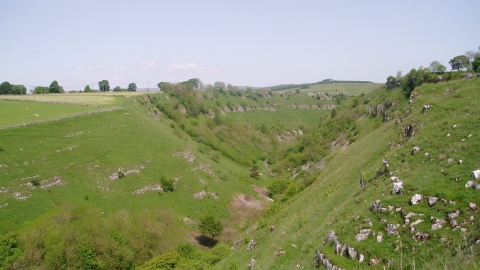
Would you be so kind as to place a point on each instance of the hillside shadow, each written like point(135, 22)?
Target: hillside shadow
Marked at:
point(206, 241)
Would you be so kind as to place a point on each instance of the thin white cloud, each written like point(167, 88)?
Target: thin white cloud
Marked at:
point(147, 65)
point(119, 68)
point(177, 66)
point(85, 68)
point(193, 67)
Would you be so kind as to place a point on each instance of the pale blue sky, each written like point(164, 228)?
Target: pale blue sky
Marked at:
point(248, 42)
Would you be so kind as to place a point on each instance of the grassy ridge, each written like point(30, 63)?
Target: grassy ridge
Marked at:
point(351, 89)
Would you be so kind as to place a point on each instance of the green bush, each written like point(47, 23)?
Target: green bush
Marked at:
point(167, 184)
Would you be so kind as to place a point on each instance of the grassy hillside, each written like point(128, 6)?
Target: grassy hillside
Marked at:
point(87, 191)
point(335, 201)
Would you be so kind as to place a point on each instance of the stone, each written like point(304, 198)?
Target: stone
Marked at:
point(352, 253)
point(361, 257)
point(421, 237)
point(416, 199)
point(432, 200)
point(362, 235)
point(469, 184)
point(379, 238)
point(330, 237)
point(476, 174)
point(397, 188)
point(472, 206)
point(416, 222)
point(454, 214)
point(437, 224)
point(373, 261)
point(453, 223)
point(409, 215)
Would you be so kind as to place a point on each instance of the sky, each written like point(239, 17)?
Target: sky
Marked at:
point(244, 43)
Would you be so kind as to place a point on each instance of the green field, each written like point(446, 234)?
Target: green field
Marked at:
point(351, 89)
point(104, 99)
point(25, 112)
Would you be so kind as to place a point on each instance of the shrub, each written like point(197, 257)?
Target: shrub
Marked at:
point(211, 227)
point(167, 184)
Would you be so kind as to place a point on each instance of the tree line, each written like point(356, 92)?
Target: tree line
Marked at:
point(435, 73)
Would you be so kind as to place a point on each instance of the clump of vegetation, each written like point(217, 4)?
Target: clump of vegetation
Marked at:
point(210, 227)
point(167, 184)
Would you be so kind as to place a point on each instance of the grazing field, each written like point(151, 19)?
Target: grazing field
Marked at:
point(104, 99)
point(25, 112)
point(351, 89)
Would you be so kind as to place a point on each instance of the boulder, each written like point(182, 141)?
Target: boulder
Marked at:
point(454, 214)
point(391, 229)
point(375, 205)
point(379, 238)
point(453, 223)
point(331, 236)
point(352, 253)
point(469, 184)
point(432, 200)
point(362, 235)
point(416, 222)
point(344, 249)
point(416, 199)
point(373, 261)
point(397, 188)
point(472, 206)
point(361, 257)
point(437, 224)
point(476, 174)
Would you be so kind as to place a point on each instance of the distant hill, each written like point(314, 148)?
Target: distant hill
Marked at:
point(307, 85)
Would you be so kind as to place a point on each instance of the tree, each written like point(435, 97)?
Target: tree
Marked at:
point(19, 89)
point(219, 86)
point(41, 90)
point(459, 62)
point(165, 87)
point(55, 88)
point(334, 113)
point(5, 88)
point(476, 63)
point(87, 89)
point(195, 83)
point(436, 67)
point(117, 89)
point(210, 227)
point(132, 87)
point(104, 86)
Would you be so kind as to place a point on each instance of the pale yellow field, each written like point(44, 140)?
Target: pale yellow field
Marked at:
point(106, 99)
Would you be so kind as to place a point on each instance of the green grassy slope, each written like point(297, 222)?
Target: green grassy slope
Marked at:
point(84, 152)
point(335, 198)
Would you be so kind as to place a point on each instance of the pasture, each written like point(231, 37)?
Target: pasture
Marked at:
point(351, 89)
point(90, 98)
point(25, 112)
